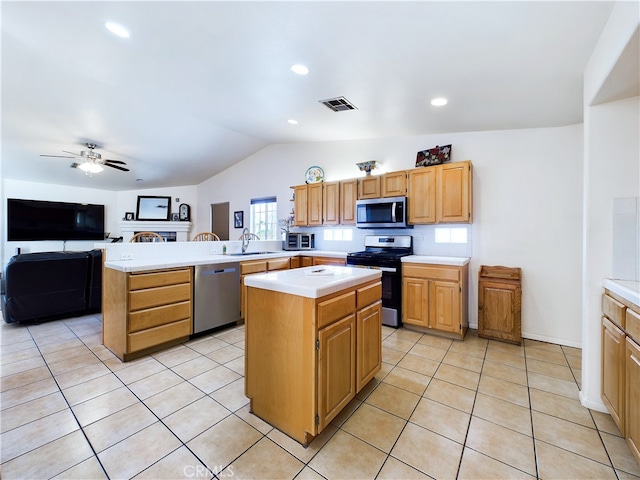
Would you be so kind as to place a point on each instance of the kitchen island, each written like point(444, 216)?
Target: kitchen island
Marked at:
point(313, 340)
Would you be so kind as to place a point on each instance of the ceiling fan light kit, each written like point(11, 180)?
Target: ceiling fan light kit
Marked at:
point(93, 162)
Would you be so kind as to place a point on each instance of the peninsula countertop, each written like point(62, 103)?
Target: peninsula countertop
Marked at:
point(312, 282)
point(627, 289)
point(175, 261)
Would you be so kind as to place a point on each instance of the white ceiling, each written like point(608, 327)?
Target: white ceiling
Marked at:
point(200, 86)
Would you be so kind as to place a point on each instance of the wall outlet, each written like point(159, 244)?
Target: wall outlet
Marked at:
point(212, 251)
point(126, 256)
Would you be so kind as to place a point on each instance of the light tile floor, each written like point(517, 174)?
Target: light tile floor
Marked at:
point(438, 409)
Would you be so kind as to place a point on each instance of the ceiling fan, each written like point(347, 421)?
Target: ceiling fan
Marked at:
point(92, 161)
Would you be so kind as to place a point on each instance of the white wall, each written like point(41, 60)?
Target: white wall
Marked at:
point(611, 170)
point(59, 193)
point(527, 206)
point(116, 204)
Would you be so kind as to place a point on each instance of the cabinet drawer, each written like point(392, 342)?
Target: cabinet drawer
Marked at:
point(278, 264)
point(253, 267)
point(369, 294)
point(632, 324)
point(138, 281)
point(613, 310)
point(154, 297)
point(154, 317)
point(336, 308)
point(431, 271)
point(158, 335)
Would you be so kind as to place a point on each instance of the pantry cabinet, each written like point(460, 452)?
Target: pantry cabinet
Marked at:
point(145, 311)
point(435, 298)
point(621, 366)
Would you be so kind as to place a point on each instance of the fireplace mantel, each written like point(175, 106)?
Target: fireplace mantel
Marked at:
point(129, 228)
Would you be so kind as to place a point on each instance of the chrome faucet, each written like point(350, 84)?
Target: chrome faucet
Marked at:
point(245, 239)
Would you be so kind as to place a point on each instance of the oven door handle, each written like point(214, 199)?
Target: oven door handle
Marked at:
point(373, 267)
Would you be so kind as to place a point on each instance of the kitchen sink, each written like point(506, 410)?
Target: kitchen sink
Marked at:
point(249, 253)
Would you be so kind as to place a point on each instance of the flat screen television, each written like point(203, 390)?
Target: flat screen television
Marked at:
point(32, 220)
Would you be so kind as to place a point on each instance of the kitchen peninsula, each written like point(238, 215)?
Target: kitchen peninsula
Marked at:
point(313, 341)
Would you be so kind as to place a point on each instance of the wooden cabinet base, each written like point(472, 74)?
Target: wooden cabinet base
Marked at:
point(438, 333)
point(306, 358)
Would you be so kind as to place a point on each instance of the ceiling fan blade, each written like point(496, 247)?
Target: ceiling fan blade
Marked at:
point(75, 154)
point(119, 162)
point(116, 167)
point(57, 156)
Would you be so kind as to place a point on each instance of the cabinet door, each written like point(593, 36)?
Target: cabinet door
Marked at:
point(331, 203)
point(444, 306)
point(314, 204)
point(453, 200)
point(394, 184)
point(422, 195)
point(369, 187)
point(329, 261)
point(306, 261)
point(348, 197)
point(499, 311)
point(336, 368)
point(415, 301)
point(300, 205)
point(613, 364)
point(369, 344)
point(632, 398)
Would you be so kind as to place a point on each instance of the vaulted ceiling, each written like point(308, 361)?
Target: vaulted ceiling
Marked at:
point(199, 86)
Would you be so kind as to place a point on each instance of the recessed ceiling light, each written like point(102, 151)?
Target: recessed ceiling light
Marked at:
point(292, 121)
point(439, 101)
point(117, 29)
point(299, 69)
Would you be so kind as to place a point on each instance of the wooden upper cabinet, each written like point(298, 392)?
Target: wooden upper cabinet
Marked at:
point(394, 184)
point(314, 204)
point(369, 187)
point(422, 195)
point(454, 196)
point(348, 197)
point(300, 205)
point(331, 203)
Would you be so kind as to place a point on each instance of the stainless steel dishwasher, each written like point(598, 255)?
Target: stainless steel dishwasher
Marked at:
point(216, 295)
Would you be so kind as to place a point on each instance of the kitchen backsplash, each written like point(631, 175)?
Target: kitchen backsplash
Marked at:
point(626, 239)
point(447, 240)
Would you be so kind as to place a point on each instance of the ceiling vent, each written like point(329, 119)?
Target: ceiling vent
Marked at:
point(338, 104)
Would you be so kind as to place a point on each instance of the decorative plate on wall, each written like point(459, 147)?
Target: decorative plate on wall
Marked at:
point(314, 175)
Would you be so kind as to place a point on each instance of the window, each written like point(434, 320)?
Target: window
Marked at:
point(264, 218)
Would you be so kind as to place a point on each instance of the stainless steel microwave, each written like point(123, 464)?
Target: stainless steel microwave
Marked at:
point(298, 241)
point(388, 212)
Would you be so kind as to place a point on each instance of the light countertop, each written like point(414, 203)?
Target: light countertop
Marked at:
point(627, 289)
point(437, 260)
point(170, 261)
point(312, 282)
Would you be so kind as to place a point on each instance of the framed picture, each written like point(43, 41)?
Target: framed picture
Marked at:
point(433, 156)
point(238, 219)
point(153, 208)
point(129, 216)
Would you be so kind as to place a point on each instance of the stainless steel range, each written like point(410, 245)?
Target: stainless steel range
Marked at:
point(384, 252)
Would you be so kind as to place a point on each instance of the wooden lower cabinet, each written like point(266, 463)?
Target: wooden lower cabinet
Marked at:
point(435, 298)
point(145, 311)
point(613, 371)
point(499, 303)
point(632, 398)
point(621, 366)
point(260, 266)
point(306, 358)
point(329, 261)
